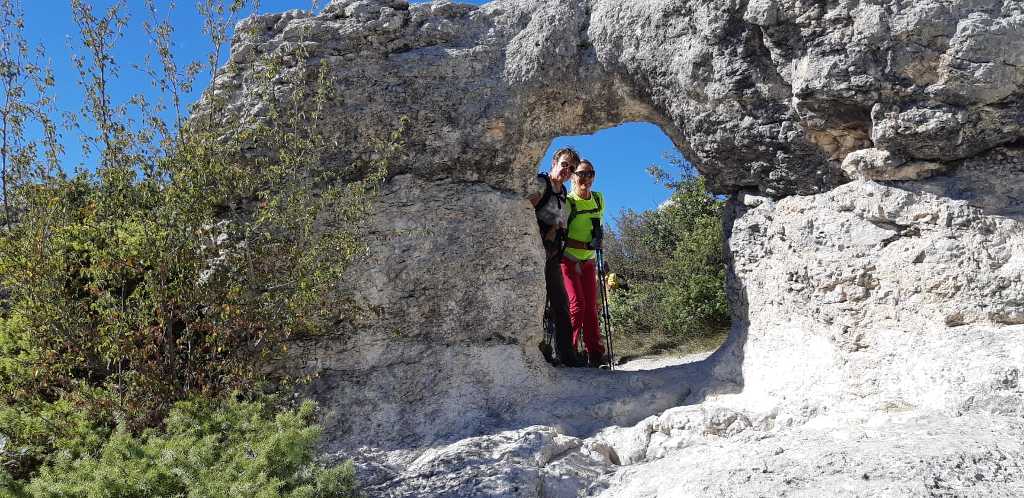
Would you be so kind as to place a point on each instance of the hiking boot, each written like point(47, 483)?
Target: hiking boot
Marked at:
point(596, 361)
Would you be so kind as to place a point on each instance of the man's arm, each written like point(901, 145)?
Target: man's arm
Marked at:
point(534, 199)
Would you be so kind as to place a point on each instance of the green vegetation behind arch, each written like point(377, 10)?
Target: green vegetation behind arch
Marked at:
point(672, 259)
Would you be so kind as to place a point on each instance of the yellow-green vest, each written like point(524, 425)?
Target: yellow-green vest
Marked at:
point(582, 211)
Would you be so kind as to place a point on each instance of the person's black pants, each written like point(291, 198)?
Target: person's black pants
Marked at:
point(564, 350)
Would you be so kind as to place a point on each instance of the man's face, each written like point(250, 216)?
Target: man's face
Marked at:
point(562, 167)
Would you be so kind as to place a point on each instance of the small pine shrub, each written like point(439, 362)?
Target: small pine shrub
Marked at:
point(209, 449)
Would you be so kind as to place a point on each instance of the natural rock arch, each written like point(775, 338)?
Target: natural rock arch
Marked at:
point(767, 98)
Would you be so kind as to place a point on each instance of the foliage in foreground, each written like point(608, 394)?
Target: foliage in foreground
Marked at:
point(179, 267)
point(672, 259)
point(211, 449)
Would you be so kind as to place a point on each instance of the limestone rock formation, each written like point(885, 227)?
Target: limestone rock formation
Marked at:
point(883, 344)
point(903, 299)
point(876, 343)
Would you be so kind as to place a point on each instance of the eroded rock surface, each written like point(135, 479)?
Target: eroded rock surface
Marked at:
point(894, 456)
point(852, 299)
point(531, 462)
point(873, 297)
point(878, 348)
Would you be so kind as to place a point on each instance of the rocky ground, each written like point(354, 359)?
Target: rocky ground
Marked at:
point(891, 454)
point(566, 454)
point(719, 447)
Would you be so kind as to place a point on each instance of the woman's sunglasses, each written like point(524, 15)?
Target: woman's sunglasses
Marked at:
point(584, 174)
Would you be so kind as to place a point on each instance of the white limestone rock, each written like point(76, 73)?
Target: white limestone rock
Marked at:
point(881, 165)
point(531, 462)
point(851, 300)
point(917, 456)
point(870, 297)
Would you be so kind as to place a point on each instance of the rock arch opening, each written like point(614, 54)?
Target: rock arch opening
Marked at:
point(455, 292)
point(668, 303)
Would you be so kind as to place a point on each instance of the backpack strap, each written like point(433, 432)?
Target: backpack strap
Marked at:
point(572, 212)
point(548, 191)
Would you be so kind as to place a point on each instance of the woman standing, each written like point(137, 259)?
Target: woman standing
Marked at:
point(578, 262)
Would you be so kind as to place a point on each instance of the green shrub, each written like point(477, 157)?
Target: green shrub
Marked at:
point(208, 449)
point(182, 265)
point(672, 259)
point(34, 429)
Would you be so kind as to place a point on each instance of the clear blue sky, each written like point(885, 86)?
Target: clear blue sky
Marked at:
point(620, 154)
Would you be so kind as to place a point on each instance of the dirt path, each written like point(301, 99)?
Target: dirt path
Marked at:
point(662, 361)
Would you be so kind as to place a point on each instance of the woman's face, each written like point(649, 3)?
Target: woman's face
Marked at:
point(561, 167)
point(583, 178)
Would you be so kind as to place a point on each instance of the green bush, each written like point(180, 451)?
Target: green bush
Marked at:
point(35, 429)
point(672, 259)
point(208, 449)
point(180, 266)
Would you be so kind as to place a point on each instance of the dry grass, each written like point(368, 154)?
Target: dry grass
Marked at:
point(632, 344)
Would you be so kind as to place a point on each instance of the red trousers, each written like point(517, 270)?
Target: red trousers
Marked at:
point(581, 287)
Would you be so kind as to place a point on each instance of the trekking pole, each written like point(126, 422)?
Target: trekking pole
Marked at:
point(606, 314)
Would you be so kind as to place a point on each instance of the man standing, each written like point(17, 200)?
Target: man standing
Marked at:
point(551, 207)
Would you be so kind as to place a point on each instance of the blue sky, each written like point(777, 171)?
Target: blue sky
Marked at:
point(620, 154)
